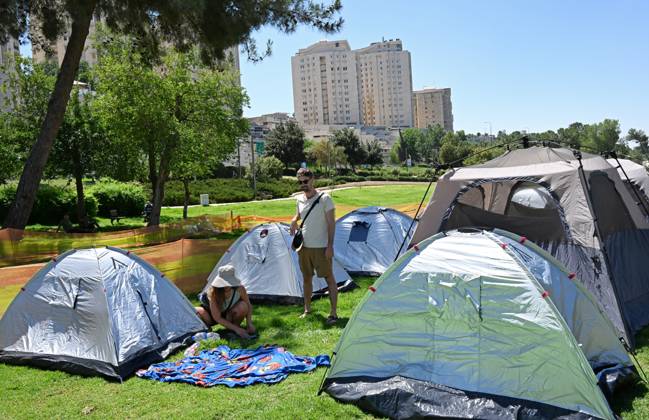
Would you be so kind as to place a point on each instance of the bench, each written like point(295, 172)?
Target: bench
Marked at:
point(114, 216)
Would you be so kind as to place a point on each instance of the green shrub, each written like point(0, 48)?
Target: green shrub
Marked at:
point(269, 168)
point(347, 178)
point(52, 202)
point(324, 182)
point(127, 198)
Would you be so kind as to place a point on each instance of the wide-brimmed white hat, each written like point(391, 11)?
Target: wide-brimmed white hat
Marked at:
point(226, 277)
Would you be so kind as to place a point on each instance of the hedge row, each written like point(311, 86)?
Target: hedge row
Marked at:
point(353, 178)
point(52, 202)
point(231, 190)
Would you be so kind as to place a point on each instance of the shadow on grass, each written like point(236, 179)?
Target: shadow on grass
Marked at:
point(631, 399)
point(340, 323)
point(623, 400)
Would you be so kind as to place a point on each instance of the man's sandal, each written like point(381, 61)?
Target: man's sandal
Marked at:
point(305, 314)
point(331, 320)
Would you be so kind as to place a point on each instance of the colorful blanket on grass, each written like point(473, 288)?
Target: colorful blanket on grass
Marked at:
point(234, 367)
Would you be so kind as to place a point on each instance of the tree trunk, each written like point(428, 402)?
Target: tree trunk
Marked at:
point(21, 208)
point(153, 176)
point(159, 191)
point(186, 203)
point(78, 177)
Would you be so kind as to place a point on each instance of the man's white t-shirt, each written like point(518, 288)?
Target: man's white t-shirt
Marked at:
point(315, 226)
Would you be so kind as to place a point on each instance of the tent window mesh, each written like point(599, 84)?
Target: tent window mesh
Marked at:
point(474, 197)
point(539, 221)
point(359, 232)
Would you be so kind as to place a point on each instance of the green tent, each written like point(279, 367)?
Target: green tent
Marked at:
point(478, 324)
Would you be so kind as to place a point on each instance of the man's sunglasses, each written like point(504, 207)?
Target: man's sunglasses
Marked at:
point(303, 181)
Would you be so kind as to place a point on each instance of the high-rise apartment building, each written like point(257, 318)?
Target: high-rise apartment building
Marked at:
point(7, 51)
point(335, 85)
point(385, 84)
point(433, 106)
point(325, 90)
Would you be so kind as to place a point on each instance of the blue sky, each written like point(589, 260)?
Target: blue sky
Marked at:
point(520, 65)
point(533, 65)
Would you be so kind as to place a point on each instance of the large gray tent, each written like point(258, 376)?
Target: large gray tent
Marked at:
point(573, 205)
point(269, 268)
point(478, 324)
point(100, 311)
point(369, 239)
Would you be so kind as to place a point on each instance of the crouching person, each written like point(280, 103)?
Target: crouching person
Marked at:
point(226, 302)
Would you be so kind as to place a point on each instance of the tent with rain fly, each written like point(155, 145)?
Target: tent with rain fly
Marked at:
point(572, 204)
point(369, 239)
point(478, 324)
point(100, 311)
point(269, 268)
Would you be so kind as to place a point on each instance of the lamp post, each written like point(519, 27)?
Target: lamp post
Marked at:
point(490, 131)
point(252, 166)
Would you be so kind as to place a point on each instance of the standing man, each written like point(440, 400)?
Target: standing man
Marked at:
point(317, 250)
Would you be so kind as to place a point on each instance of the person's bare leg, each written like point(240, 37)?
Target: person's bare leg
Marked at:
point(308, 293)
point(238, 313)
point(204, 316)
point(333, 294)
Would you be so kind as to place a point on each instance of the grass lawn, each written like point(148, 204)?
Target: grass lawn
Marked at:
point(401, 196)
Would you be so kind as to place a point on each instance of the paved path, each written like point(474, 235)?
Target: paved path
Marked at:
point(329, 188)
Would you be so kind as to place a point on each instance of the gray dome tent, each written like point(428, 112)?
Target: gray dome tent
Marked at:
point(269, 268)
point(367, 240)
point(478, 324)
point(100, 311)
point(591, 223)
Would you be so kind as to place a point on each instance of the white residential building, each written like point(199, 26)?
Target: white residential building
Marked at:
point(385, 84)
point(335, 85)
point(433, 106)
point(325, 87)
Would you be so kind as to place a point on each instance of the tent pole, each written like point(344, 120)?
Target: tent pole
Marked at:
point(633, 187)
point(324, 376)
point(414, 219)
point(600, 238)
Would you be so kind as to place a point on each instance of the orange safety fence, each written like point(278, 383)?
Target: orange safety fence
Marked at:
point(186, 262)
point(19, 247)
